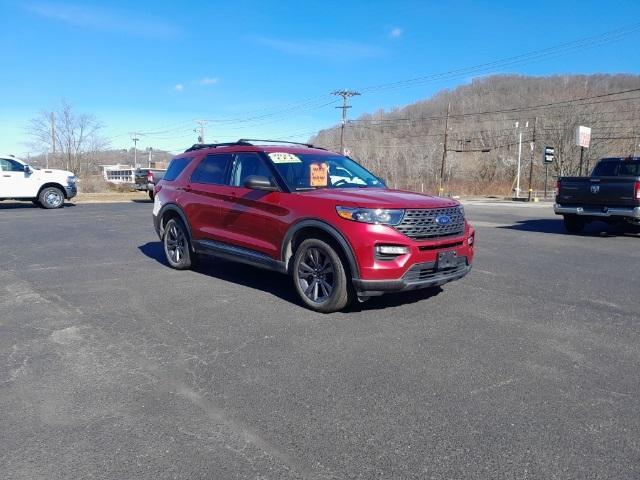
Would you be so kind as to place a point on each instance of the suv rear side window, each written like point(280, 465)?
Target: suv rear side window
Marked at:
point(247, 164)
point(212, 169)
point(176, 167)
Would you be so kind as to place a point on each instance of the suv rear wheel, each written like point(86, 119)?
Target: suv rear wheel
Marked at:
point(177, 247)
point(319, 276)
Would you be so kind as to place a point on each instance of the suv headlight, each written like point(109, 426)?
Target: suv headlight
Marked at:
point(371, 215)
point(461, 210)
point(72, 180)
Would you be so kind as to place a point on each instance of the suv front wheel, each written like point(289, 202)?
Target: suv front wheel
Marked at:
point(319, 276)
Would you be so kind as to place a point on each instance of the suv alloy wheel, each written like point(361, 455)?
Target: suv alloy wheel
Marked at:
point(319, 276)
point(177, 247)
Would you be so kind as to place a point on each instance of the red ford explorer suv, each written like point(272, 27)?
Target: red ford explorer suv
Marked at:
point(311, 213)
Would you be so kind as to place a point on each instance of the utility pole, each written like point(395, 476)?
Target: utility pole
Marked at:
point(345, 94)
point(526, 125)
point(444, 151)
point(533, 148)
point(53, 134)
point(201, 124)
point(135, 150)
point(53, 139)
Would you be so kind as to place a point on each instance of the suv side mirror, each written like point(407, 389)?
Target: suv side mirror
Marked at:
point(27, 169)
point(258, 182)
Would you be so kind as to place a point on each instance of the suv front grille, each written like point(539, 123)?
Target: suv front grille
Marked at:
point(420, 224)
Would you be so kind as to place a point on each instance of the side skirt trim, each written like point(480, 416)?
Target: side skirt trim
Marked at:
point(238, 254)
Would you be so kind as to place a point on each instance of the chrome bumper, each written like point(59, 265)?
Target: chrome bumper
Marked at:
point(604, 212)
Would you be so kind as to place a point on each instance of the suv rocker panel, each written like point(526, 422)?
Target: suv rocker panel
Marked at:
point(238, 254)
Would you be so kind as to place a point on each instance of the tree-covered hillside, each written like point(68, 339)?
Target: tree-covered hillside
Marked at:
point(405, 145)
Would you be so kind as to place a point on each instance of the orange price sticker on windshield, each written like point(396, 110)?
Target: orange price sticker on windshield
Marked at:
point(319, 175)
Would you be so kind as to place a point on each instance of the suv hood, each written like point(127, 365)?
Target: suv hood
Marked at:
point(380, 198)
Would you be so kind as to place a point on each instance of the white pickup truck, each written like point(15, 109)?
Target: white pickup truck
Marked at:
point(45, 187)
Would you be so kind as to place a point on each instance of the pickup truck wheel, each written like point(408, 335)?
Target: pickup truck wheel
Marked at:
point(319, 277)
point(177, 247)
point(574, 224)
point(51, 197)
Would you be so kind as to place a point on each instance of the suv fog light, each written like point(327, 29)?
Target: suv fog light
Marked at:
point(391, 250)
point(471, 240)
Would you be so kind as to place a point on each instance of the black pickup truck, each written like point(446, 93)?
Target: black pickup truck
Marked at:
point(147, 178)
point(610, 194)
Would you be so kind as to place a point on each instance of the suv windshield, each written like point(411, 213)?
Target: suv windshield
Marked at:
point(311, 171)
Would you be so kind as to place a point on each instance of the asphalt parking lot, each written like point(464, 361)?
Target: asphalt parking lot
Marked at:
point(114, 366)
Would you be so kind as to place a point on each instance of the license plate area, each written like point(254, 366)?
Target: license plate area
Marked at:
point(447, 260)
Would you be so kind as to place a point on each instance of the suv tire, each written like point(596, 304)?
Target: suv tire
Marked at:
point(319, 276)
point(177, 246)
point(574, 223)
point(51, 197)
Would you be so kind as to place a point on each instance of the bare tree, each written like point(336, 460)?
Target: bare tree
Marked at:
point(72, 139)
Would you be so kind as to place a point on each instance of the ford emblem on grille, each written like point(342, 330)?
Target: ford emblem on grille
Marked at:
point(443, 219)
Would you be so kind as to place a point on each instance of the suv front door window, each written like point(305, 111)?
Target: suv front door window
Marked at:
point(246, 165)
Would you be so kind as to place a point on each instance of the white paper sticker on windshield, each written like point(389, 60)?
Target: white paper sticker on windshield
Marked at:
point(282, 157)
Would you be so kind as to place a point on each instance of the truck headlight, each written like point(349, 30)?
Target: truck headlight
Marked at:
point(371, 215)
point(72, 180)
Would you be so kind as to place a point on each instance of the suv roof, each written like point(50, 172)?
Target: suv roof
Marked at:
point(260, 145)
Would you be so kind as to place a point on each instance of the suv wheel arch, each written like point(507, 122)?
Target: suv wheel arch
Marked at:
point(332, 232)
point(167, 212)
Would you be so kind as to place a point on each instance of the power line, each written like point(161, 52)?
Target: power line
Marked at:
point(562, 49)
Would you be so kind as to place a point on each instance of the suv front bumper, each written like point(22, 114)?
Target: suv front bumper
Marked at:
point(420, 275)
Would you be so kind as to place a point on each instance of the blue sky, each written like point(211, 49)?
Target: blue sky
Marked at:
point(265, 69)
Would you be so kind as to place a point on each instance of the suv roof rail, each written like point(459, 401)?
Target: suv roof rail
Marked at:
point(246, 141)
point(251, 141)
point(200, 146)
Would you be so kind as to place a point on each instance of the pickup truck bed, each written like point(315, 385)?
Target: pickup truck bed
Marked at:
point(147, 178)
point(611, 193)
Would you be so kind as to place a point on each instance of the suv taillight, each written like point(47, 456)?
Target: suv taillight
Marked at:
point(638, 190)
point(557, 187)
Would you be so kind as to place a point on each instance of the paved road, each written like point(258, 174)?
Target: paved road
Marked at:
point(114, 366)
